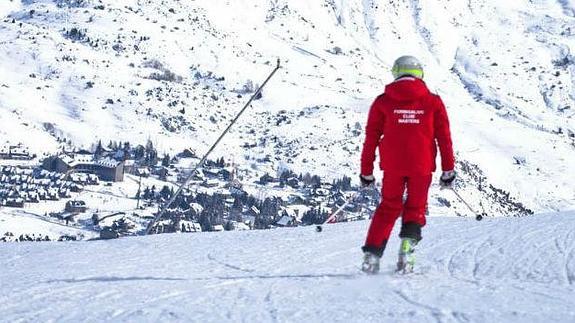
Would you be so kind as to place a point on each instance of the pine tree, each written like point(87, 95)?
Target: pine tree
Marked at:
point(99, 151)
point(166, 160)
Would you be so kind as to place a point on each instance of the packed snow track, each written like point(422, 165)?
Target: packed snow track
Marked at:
point(498, 270)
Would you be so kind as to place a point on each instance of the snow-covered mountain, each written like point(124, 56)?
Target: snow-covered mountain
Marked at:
point(176, 72)
point(500, 270)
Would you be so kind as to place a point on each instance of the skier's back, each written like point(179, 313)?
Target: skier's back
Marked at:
point(407, 123)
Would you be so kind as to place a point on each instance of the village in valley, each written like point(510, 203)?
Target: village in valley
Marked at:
point(117, 189)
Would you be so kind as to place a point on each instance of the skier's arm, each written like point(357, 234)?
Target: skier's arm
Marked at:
point(373, 132)
point(443, 136)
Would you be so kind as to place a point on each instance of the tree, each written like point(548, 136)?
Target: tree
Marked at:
point(236, 210)
point(151, 155)
point(99, 151)
point(139, 152)
point(166, 192)
point(127, 150)
point(315, 181)
point(146, 195)
point(166, 160)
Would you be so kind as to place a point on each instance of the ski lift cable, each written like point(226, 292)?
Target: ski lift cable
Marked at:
point(201, 162)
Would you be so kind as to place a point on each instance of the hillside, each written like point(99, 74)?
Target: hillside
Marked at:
point(176, 72)
point(499, 270)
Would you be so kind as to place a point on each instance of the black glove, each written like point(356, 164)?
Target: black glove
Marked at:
point(447, 178)
point(366, 180)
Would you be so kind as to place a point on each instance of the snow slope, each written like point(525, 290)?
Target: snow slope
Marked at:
point(498, 270)
point(87, 70)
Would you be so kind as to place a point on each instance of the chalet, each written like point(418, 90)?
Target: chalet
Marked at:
point(320, 192)
point(190, 226)
point(234, 184)
point(293, 182)
point(286, 221)
point(238, 192)
point(238, 226)
point(162, 172)
point(33, 197)
point(211, 172)
point(210, 183)
point(76, 188)
point(129, 166)
point(296, 199)
point(4, 152)
point(79, 178)
point(196, 209)
point(142, 172)
point(52, 194)
point(218, 227)
point(76, 206)
point(42, 194)
point(64, 193)
point(267, 178)
point(93, 179)
point(15, 202)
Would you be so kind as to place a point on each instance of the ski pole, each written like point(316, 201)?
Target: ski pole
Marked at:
point(319, 228)
point(478, 216)
point(198, 165)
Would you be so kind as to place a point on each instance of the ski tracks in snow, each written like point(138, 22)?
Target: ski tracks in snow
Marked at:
point(506, 269)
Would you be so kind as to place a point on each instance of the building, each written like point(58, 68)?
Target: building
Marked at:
point(15, 202)
point(190, 226)
point(76, 206)
point(130, 166)
point(288, 218)
point(4, 152)
point(286, 221)
point(107, 169)
point(18, 152)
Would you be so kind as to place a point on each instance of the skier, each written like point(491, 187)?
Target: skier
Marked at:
point(407, 123)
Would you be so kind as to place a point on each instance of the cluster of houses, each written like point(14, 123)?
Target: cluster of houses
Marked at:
point(308, 193)
point(17, 152)
point(10, 237)
point(21, 185)
point(65, 173)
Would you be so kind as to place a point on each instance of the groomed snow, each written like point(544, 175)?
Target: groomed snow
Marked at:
point(498, 270)
point(504, 69)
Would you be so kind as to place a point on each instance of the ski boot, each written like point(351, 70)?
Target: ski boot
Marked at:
point(406, 259)
point(370, 263)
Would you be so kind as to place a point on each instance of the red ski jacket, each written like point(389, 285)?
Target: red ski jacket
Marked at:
point(406, 122)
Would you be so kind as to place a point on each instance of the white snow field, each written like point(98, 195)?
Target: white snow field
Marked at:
point(498, 270)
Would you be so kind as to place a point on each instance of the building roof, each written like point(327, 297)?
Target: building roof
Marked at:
point(285, 220)
point(197, 208)
point(76, 203)
point(107, 162)
point(290, 212)
point(85, 159)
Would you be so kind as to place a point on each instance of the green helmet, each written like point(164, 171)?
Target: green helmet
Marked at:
point(407, 66)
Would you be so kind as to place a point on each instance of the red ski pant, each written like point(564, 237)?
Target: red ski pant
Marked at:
point(392, 205)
